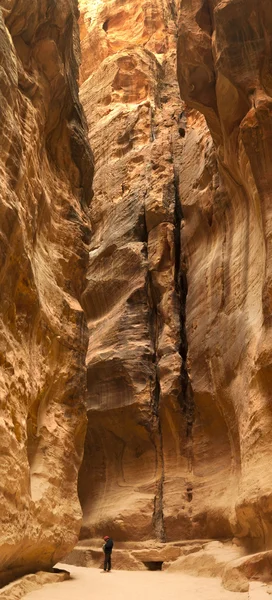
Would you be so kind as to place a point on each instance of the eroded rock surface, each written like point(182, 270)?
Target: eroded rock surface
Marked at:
point(46, 174)
point(153, 459)
point(224, 68)
point(179, 292)
point(135, 359)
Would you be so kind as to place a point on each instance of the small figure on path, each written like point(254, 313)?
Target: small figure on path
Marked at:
point(107, 549)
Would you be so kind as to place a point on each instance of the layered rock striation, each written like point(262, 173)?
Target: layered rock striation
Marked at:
point(46, 174)
point(157, 459)
point(178, 295)
point(224, 69)
point(132, 300)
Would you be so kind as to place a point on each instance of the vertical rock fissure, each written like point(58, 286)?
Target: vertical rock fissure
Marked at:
point(158, 521)
point(173, 10)
point(186, 399)
point(158, 517)
point(160, 531)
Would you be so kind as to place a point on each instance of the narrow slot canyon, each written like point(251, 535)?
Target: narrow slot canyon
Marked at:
point(136, 289)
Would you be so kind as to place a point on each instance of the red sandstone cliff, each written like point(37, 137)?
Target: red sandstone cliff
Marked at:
point(46, 174)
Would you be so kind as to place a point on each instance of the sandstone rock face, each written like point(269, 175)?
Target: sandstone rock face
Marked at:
point(224, 68)
point(135, 438)
point(256, 567)
point(147, 472)
point(210, 561)
point(179, 287)
point(109, 26)
point(46, 173)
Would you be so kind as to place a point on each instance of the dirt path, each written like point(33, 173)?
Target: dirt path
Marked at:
point(91, 584)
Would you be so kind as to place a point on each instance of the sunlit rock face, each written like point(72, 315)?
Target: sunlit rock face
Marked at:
point(131, 100)
point(179, 296)
point(224, 70)
point(108, 26)
point(46, 175)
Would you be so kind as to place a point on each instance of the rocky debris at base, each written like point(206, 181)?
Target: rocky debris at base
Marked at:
point(238, 574)
point(132, 556)
point(198, 558)
point(29, 583)
point(210, 561)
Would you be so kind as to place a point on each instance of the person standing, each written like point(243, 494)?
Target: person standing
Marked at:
point(107, 549)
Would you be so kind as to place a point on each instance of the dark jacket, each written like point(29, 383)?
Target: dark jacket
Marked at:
point(108, 546)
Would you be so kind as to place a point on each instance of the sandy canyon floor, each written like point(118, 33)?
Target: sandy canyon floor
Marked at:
point(92, 584)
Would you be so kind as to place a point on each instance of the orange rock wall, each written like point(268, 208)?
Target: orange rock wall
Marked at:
point(46, 175)
point(153, 458)
point(131, 100)
point(178, 296)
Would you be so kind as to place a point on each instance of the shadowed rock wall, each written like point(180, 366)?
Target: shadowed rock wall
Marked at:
point(224, 70)
point(46, 174)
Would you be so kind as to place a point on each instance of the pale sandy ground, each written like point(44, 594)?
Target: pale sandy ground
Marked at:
point(91, 584)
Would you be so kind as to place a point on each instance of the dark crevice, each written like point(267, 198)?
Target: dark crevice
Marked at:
point(155, 400)
point(189, 494)
point(182, 124)
point(186, 398)
point(204, 19)
point(160, 515)
point(154, 330)
point(177, 223)
point(140, 229)
point(154, 565)
point(158, 518)
point(152, 125)
point(173, 10)
point(180, 272)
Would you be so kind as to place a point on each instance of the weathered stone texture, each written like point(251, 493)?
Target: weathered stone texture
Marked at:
point(179, 400)
point(224, 69)
point(108, 26)
point(153, 458)
point(46, 173)
point(131, 99)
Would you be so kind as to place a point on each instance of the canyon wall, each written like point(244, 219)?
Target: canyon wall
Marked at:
point(178, 291)
point(132, 104)
point(46, 174)
point(158, 462)
point(224, 70)
point(179, 288)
